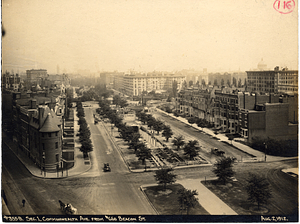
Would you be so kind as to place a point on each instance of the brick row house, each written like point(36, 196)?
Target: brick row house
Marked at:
point(235, 111)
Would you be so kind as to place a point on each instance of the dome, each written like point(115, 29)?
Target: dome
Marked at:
point(261, 65)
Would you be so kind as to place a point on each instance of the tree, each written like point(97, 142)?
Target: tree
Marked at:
point(191, 149)
point(240, 83)
point(245, 82)
point(164, 177)
point(178, 142)
point(223, 169)
point(150, 121)
point(234, 81)
point(215, 82)
point(203, 82)
point(116, 99)
point(187, 199)
point(143, 117)
point(144, 153)
point(158, 126)
point(230, 138)
point(86, 146)
point(190, 83)
point(174, 88)
point(209, 83)
point(184, 85)
point(192, 120)
point(258, 190)
point(123, 103)
point(201, 123)
point(167, 132)
point(134, 140)
point(222, 82)
point(169, 99)
point(228, 82)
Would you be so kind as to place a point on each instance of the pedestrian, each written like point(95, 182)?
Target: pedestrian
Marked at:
point(23, 202)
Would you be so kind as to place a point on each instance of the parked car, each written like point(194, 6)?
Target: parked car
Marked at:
point(217, 152)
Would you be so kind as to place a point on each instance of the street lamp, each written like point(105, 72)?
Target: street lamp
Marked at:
point(265, 151)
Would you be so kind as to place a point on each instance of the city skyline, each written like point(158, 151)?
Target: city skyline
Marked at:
point(147, 35)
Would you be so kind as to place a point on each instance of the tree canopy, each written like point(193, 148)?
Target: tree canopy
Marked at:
point(191, 149)
point(164, 176)
point(178, 141)
point(258, 190)
point(223, 169)
point(187, 199)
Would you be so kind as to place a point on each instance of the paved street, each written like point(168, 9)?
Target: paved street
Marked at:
point(205, 141)
point(117, 192)
point(93, 192)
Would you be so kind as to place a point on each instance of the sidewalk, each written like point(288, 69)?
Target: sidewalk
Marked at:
point(208, 200)
point(78, 168)
point(259, 156)
point(80, 165)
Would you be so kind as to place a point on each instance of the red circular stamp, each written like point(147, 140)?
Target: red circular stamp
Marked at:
point(284, 7)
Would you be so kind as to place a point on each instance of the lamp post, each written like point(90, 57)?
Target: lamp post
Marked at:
point(265, 151)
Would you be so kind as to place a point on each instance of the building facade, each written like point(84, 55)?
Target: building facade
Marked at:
point(273, 81)
point(10, 81)
point(239, 112)
point(35, 77)
point(135, 85)
point(39, 129)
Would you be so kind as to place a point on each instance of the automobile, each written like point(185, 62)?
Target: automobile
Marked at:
point(217, 152)
point(106, 167)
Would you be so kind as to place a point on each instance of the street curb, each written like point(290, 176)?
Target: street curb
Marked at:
point(43, 177)
point(142, 189)
point(5, 210)
point(142, 170)
point(116, 145)
point(172, 116)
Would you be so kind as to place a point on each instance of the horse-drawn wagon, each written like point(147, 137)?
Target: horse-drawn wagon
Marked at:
point(67, 208)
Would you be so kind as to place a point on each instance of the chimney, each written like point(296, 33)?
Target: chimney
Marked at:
point(33, 104)
point(270, 98)
point(41, 111)
point(255, 100)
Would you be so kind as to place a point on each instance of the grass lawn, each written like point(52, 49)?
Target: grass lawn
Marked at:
point(166, 203)
point(235, 196)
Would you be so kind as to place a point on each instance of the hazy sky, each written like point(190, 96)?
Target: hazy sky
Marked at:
point(147, 35)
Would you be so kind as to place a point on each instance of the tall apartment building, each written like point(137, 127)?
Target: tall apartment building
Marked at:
point(273, 81)
point(35, 77)
point(134, 85)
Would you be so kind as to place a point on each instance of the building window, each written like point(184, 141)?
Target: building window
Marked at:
point(43, 146)
point(42, 134)
point(56, 157)
point(56, 145)
point(56, 133)
point(49, 134)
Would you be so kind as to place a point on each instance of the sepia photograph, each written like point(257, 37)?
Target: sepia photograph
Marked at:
point(149, 111)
